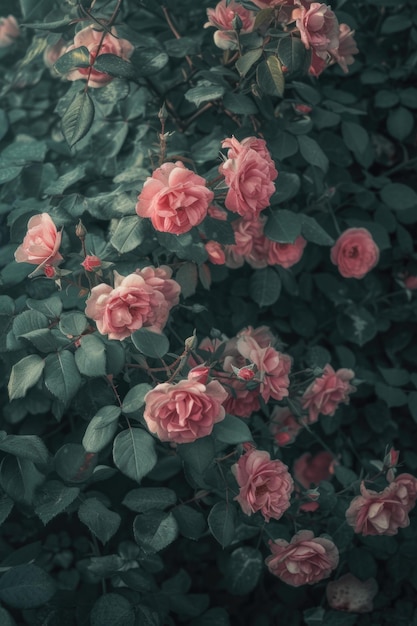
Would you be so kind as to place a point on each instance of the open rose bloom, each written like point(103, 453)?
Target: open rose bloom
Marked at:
point(9, 31)
point(304, 561)
point(327, 392)
point(311, 470)
point(41, 243)
point(265, 485)
point(222, 17)
point(352, 595)
point(355, 253)
point(142, 299)
point(186, 411)
point(97, 44)
point(174, 198)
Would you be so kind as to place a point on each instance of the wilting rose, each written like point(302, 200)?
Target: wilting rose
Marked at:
point(283, 426)
point(355, 253)
point(311, 470)
point(406, 489)
point(303, 561)
point(249, 173)
point(174, 198)
point(319, 28)
point(265, 485)
point(328, 391)
point(91, 263)
point(222, 16)
point(380, 513)
point(90, 38)
point(347, 48)
point(350, 594)
point(286, 254)
point(41, 243)
point(184, 412)
point(9, 31)
point(133, 303)
point(215, 252)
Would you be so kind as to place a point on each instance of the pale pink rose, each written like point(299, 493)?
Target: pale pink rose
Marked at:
point(200, 373)
point(347, 48)
point(222, 16)
point(91, 263)
point(9, 31)
point(250, 244)
point(328, 391)
point(311, 470)
point(283, 426)
point(111, 44)
point(41, 243)
point(286, 254)
point(159, 278)
point(379, 513)
point(355, 253)
point(350, 594)
point(319, 28)
point(406, 489)
point(215, 252)
point(249, 173)
point(264, 485)
point(174, 198)
point(273, 368)
point(130, 305)
point(263, 335)
point(184, 412)
point(304, 561)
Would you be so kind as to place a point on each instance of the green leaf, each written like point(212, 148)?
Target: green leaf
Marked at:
point(102, 522)
point(191, 523)
point(265, 286)
point(78, 57)
point(135, 398)
point(6, 506)
point(73, 464)
point(78, 118)
point(288, 185)
point(395, 376)
point(293, 55)
point(29, 320)
point(114, 66)
point(5, 618)
point(243, 570)
point(149, 498)
point(312, 152)
point(58, 186)
point(396, 23)
point(412, 404)
point(50, 307)
point(400, 123)
point(101, 429)
point(204, 92)
point(313, 232)
point(232, 430)
point(90, 356)
point(73, 324)
point(24, 151)
point(345, 476)
point(391, 395)
point(283, 226)
point(179, 48)
point(355, 137)
point(4, 123)
point(239, 103)
point(19, 478)
point(150, 344)
point(112, 609)
point(247, 60)
point(26, 587)
point(197, 456)
point(134, 453)
point(399, 196)
point(149, 61)
point(25, 374)
point(270, 78)
point(62, 378)
point(187, 278)
point(154, 530)
point(221, 521)
point(52, 499)
point(28, 447)
point(213, 617)
point(129, 234)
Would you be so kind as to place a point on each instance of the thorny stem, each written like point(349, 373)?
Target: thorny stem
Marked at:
point(175, 32)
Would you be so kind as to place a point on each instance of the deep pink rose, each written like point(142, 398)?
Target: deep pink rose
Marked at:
point(319, 28)
point(317, 64)
point(249, 173)
point(328, 391)
point(273, 368)
point(265, 485)
point(311, 470)
point(286, 254)
point(347, 48)
point(350, 594)
point(91, 263)
point(174, 198)
point(379, 513)
point(41, 243)
point(215, 252)
point(283, 426)
point(303, 561)
point(355, 253)
point(111, 44)
point(240, 401)
point(184, 412)
point(9, 31)
point(132, 304)
point(222, 16)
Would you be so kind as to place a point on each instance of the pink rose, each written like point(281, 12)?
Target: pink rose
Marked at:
point(265, 485)
point(347, 48)
point(240, 401)
point(379, 513)
point(184, 412)
point(222, 16)
point(215, 252)
point(271, 4)
point(328, 391)
point(159, 278)
point(91, 263)
point(410, 282)
point(41, 243)
point(250, 244)
point(350, 594)
point(311, 470)
point(110, 44)
point(406, 489)
point(283, 426)
point(286, 254)
point(130, 305)
point(355, 253)
point(249, 173)
point(273, 368)
point(303, 561)
point(174, 198)
point(317, 64)
point(9, 31)
point(263, 335)
point(319, 28)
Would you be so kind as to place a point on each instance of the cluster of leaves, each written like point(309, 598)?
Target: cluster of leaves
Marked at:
point(102, 523)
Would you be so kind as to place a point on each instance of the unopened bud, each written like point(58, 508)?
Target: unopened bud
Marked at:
point(244, 373)
point(163, 113)
point(191, 342)
point(91, 263)
point(49, 271)
point(200, 374)
point(80, 230)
